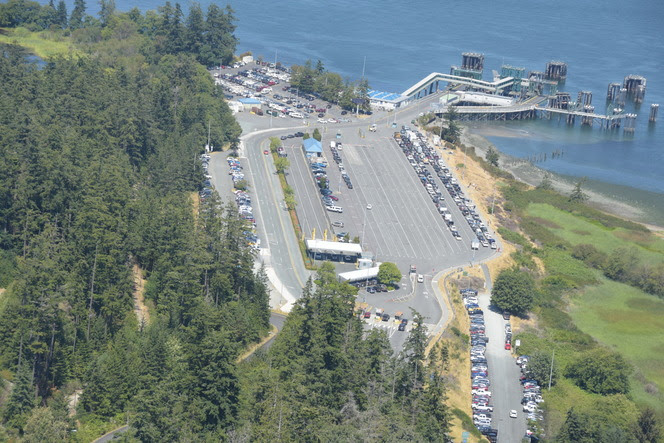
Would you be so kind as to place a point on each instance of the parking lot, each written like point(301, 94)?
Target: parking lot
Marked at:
point(387, 208)
point(402, 224)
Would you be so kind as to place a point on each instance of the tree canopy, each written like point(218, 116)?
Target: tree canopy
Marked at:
point(513, 291)
point(388, 273)
point(600, 371)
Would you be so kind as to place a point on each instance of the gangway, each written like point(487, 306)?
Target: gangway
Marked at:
point(428, 82)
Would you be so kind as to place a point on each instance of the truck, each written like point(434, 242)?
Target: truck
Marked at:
point(475, 244)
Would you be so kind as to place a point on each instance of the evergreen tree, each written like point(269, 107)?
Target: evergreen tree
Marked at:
point(546, 183)
point(196, 31)
point(219, 43)
point(106, 11)
point(77, 14)
point(61, 15)
point(21, 400)
point(492, 156)
point(577, 194)
point(647, 429)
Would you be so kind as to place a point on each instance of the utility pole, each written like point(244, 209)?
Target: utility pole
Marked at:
point(551, 371)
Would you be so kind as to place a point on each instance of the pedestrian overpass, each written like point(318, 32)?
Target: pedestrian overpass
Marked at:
point(429, 84)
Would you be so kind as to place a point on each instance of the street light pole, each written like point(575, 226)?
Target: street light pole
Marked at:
point(364, 224)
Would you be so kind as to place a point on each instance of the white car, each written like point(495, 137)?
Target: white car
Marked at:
point(369, 206)
point(513, 413)
point(420, 278)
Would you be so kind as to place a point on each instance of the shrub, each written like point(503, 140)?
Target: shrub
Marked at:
point(600, 371)
point(540, 368)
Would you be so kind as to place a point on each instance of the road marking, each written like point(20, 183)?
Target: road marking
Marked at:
point(281, 222)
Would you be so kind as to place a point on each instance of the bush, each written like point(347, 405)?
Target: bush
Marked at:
point(513, 237)
point(539, 369)
point(600, 371)
point(590, 255)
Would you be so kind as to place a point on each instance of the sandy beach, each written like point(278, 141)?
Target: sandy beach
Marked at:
point(533, 175)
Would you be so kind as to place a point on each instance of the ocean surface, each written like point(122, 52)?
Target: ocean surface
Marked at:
point(402, 42)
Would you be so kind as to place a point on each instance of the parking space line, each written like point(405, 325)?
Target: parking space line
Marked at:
point(405, 196)
point(445, 235)
point(388, 226)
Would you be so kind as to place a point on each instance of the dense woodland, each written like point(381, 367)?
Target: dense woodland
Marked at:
point(98, 175)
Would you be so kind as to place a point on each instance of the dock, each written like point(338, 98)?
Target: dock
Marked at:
point(529, 95)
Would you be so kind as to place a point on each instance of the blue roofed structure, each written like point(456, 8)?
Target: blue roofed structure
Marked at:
point(312, 147)
point(386, 100)
point(248, 103)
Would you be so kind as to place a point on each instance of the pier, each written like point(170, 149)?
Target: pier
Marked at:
point(530, 96)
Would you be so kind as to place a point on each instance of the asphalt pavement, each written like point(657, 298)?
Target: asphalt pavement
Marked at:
point(503, 373)
point(403, 225)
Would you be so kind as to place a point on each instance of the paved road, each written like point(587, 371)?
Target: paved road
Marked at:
point(279, 247)
point(402, 226)
point(116, 433)
point(278, 321)
point(503, 373)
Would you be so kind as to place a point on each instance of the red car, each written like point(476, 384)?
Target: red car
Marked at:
point(508, 346)
point(333, 197)
point(266, 152)
point(367, 314)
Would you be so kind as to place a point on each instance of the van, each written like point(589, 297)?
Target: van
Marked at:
point(333, 145)
point(335, 209)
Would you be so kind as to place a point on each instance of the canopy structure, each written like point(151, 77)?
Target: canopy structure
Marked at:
point(333, 247)
point(312, 146)
point(359, 275)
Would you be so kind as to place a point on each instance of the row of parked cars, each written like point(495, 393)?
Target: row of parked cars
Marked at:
point(532, 392)
point(336, 148)
point(371, 286)
point(479, 369)
point(207, 190)
point(243, 202)
point(420, 155)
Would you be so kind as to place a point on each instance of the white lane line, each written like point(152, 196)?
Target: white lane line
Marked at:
point(382, 241)
point(412, 214)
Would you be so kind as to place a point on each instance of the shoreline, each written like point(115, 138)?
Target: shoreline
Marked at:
point(533, 175)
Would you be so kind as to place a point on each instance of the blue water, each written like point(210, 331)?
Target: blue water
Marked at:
point(601, 42)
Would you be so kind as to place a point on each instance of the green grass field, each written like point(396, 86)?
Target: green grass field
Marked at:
point(577, 230)
point(617, 315)
point(632, 322)
point(44, 44)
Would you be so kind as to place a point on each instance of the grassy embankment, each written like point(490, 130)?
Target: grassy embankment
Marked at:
point(580, 308)
point(617, 315)
point(43, 44)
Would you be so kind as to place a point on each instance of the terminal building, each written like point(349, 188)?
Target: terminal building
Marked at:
point(387, 101)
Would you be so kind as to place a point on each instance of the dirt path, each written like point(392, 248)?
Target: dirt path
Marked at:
point(142, 313)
